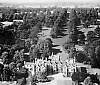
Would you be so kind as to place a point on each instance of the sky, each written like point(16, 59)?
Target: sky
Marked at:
point(46, 1)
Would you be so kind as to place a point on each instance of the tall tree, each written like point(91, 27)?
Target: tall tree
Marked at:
point(74, 35)
point(74, 18)
point(97, 31)
point(97, 51)
point(90, 36)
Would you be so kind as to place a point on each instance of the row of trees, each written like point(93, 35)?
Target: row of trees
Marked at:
point(59, 23)
point(77, 17)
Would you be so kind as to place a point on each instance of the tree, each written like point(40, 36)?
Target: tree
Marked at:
point(49, 40)
point(97, 51)
point(22, 73)
point(1, 71)
point(67, 46)
point(54, 31)
point(62, 18)
point(86, 24)
point(34, 54)
point(19, 56)
point(16, 57)
point(74, 36)
point(21, 76)
point(41, 76)
point(12, 65)
point(74, 18)
point(7, 37)
point(43, 49)
point(94, 78)
point(34, 34)
point(71, 26)
point(95, 43)
point(59, 23)
point(97, 31)
point(72, 53)
point(78, 77)
point(81, 57)
point(48, 43)
point(81, 38)
point(7, 73)
point(90, 36)
point(92, 55)
point(49, 20)
point(23, 31)
point(6, 58)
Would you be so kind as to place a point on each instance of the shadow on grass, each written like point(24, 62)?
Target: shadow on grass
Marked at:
point(90, 27)
point(63, 30)
point(55, 45)
point(62, 34)
point(55, 51)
